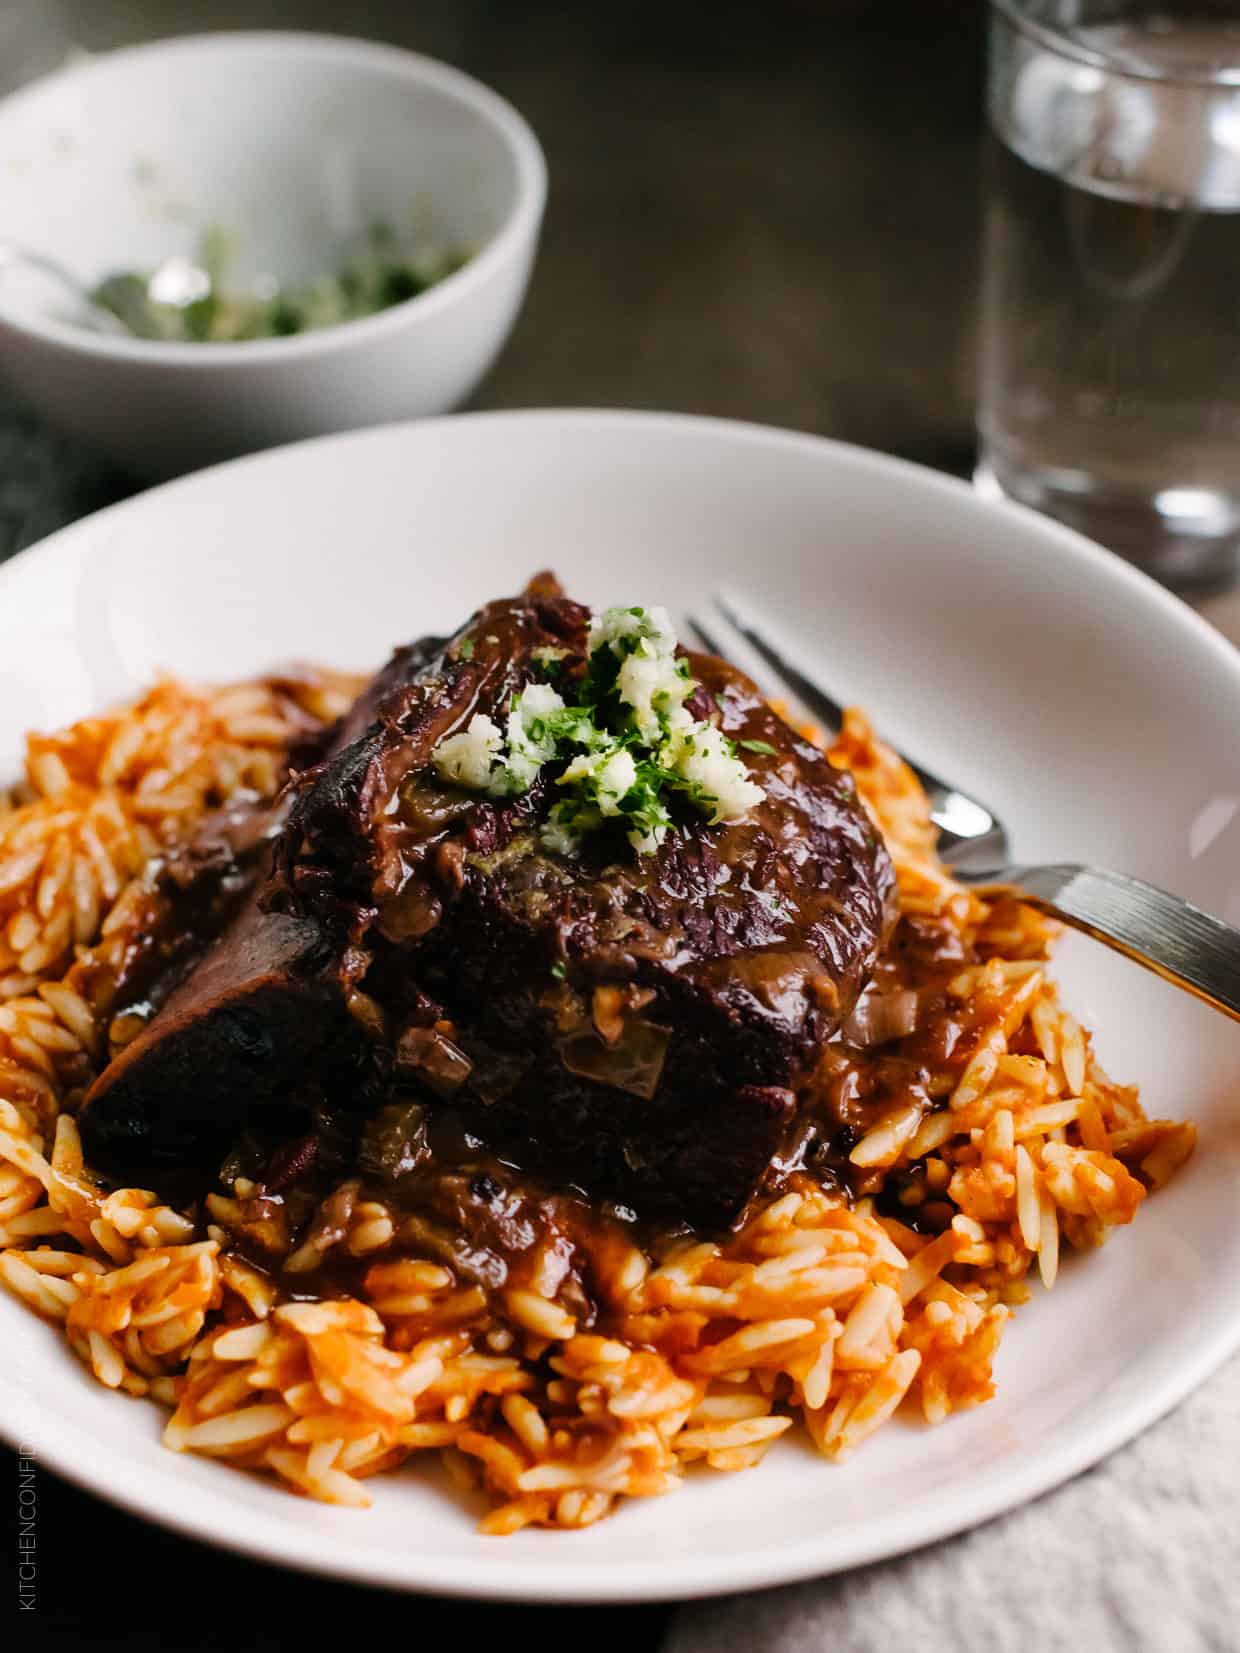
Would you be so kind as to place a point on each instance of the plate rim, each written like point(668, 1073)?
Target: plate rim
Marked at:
point(1070, 542)
point(556, 1577)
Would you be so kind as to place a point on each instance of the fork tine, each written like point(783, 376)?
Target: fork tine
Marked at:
point(706, 640)
point(721, 638)
point(970, 834)
point(812, 695)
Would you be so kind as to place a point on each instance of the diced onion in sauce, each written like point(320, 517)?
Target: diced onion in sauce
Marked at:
point(633, 1063)
point(879, 1017)
point(394, 1140)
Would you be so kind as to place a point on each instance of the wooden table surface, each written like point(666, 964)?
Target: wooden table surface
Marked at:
point(762, 212)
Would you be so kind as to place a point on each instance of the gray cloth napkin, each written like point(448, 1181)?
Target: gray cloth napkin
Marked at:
point(1140, 1555)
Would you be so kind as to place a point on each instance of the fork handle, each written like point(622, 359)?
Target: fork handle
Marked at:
point(1163, 932)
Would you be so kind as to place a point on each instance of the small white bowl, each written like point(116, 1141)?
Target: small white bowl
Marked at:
point(292, 145)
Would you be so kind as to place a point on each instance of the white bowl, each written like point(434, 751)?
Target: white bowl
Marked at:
point(291, 144)
point(1094, 711)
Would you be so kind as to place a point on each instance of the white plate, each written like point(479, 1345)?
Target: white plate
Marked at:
point(1096, 712)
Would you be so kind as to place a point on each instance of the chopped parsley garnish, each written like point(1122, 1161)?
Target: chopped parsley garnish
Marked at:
point(466, 650)
point(763, 746)
point(559, 970)
point(627, 745)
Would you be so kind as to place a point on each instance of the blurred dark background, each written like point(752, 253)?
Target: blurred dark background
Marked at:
point(766, 211)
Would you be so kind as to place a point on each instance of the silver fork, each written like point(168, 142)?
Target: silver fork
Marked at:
point(1163, 932)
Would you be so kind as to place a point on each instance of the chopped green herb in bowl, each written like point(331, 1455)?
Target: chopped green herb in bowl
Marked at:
point(195, 303)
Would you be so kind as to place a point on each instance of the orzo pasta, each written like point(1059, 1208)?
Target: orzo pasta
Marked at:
point(823, 1309)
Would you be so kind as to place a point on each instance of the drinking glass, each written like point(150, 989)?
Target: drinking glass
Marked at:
point(1110, 348)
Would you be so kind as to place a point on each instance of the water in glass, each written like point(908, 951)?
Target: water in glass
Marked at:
point(1110, 387)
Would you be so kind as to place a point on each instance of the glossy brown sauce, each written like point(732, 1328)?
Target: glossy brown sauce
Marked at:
point(452, 1201)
